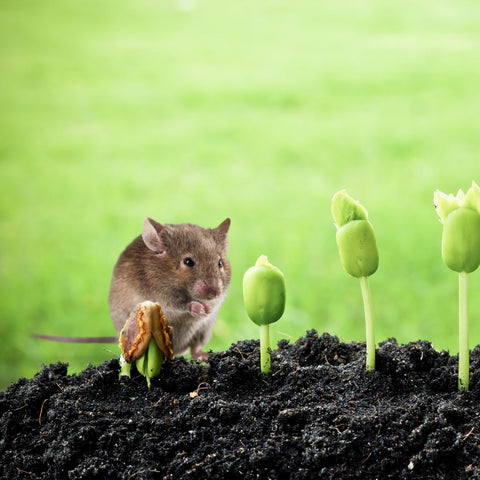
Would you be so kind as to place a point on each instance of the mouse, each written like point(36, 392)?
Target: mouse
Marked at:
point(182, 267)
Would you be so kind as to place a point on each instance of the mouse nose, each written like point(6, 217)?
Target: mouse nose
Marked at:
point(207, 289)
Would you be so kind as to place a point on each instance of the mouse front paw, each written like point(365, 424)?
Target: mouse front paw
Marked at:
point(198, 354)
point(198, 309)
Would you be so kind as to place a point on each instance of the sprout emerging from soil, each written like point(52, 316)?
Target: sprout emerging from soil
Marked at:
point(264, 297)
point(359, 255)
point(460, 216)
point(145, 339)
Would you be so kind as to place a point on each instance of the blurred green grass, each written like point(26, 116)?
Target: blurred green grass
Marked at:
point(194, 111)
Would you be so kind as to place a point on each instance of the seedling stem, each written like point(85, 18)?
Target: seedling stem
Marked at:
point(370, 329)
point(124, 368)
point(463, 350)
point(264, 347)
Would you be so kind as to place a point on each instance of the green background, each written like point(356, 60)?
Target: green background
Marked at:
point(192, 111)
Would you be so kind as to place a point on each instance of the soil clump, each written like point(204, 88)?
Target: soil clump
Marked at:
point(319, 414)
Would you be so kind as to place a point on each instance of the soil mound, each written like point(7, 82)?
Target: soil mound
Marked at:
point(319, 414)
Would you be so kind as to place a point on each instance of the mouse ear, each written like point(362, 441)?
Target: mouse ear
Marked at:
point(155, 235)
point(224, 226)
point(221, 232)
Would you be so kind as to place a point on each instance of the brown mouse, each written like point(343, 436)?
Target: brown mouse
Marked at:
point(182, 267)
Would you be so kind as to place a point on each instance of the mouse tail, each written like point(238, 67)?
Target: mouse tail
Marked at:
point(54, 338)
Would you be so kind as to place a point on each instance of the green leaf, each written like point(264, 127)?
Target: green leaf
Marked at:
point(472, 198)
point(345, 209)
point(444, 204)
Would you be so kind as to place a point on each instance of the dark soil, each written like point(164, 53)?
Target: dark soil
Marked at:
point(317, 415)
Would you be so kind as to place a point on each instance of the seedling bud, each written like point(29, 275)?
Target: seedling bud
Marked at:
point(150, 363)
point(264, 298)
point(146, 339)
point(264, 292)
point(461, 240)
point(460, 216)
point(355, 236)
point(358, 248)
point(358, 253)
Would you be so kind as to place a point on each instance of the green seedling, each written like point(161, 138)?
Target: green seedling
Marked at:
point(146, 340)
point(460, 216)
point(264, 297)
point(150, 363)
point(359, 255)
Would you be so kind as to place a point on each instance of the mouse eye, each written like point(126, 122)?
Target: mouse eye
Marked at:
point(220, 264)
point(189, 262)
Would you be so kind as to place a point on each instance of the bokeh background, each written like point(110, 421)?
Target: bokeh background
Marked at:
point(192, 111)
